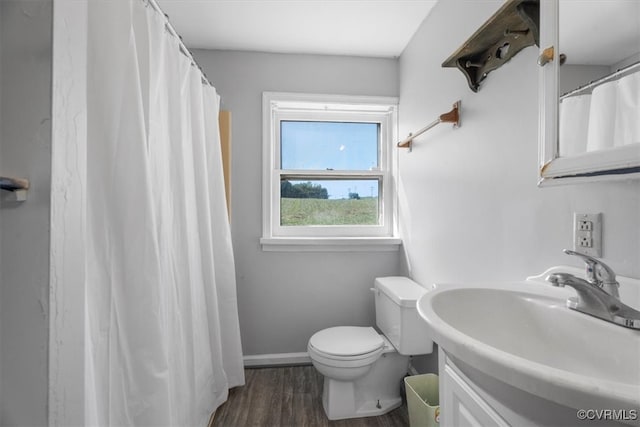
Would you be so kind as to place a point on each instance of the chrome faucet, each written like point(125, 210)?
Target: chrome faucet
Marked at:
point(598, 295)
point(599, 273)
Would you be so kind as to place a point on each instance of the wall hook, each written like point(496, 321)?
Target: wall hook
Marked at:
point(18, 186)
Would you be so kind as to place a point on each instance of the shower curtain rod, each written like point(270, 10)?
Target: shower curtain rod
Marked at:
point(175, 34)
point(612, 76)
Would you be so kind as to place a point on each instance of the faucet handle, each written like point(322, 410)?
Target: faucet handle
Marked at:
point(591, 264)
point(598, 272)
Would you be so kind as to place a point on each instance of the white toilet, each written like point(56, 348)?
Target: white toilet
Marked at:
point(362, 369)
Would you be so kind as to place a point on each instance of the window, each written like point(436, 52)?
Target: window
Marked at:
point(327, 166)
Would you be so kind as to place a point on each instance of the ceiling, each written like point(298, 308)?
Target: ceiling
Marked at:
point(602, 32)
point(375, 28)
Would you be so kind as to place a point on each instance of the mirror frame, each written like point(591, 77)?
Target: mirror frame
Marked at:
point(612, 164)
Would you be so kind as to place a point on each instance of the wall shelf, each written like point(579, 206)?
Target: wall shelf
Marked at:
point(512, 28)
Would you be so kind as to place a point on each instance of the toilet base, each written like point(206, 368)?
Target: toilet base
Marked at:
point(339, 403)
point(376, 393)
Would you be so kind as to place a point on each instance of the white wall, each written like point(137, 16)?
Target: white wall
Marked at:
point(25, 147)
point(470, 207)
point(284, 298)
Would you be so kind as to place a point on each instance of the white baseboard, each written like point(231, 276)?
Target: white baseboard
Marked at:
point(278, 359)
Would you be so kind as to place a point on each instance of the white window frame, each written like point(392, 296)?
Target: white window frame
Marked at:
point(277, 107)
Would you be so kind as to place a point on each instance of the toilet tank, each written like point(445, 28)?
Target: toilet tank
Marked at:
point(397, 315)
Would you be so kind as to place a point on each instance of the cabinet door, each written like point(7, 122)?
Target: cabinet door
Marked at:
point(461, 406)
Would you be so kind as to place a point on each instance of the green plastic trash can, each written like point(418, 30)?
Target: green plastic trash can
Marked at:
point(423, 400)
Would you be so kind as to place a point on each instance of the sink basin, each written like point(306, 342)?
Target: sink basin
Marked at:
point(522, 334)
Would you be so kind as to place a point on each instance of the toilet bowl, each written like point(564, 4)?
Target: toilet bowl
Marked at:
point(363, 370)
point(363, 384)
point(345, 352)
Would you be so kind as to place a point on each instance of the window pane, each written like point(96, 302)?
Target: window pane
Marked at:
point(329, 202)
point(328, 145)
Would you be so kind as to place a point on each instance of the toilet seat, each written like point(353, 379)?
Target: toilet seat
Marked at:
point(363, 368)
point(347, 343)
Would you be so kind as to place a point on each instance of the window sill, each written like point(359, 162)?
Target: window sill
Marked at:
point(330, 244)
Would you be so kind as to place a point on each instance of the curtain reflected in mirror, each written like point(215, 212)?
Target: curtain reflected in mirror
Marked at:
point(599, 85)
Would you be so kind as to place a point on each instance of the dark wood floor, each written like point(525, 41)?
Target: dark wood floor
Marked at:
point(289, 396)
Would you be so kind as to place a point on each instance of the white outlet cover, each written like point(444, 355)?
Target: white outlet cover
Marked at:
point(595, 234)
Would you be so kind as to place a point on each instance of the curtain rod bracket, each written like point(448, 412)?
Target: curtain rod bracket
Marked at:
point(452, 116)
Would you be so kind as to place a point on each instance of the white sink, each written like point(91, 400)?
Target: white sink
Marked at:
point(522, 334)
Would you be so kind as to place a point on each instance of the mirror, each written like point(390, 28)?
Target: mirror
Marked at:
point(590, 104)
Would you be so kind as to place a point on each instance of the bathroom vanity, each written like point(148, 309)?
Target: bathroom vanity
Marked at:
point(469, 397)
point(515, 354)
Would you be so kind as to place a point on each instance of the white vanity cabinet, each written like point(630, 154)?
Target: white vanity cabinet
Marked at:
point(460, 405)
point(469, 397)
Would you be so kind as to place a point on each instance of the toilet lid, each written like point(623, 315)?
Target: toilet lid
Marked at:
point(347, 340)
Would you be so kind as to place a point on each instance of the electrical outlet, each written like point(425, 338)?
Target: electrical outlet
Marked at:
point(585, 242)
point(587, 234)
point(584, 225)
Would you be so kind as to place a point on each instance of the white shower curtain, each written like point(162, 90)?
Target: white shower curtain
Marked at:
point(163, 340)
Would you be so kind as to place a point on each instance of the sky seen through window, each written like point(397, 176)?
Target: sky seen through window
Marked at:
point(338, 146)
